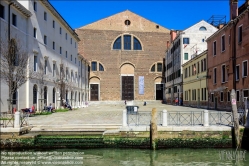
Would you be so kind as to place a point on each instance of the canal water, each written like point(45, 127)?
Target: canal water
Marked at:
point(126, 157)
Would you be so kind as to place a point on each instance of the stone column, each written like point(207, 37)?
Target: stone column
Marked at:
point(153, 129)
point(165, 122)
point(17, 120)
point(206, 120)
point(124, 118)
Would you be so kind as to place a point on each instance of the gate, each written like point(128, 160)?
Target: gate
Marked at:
point(94, 92)
point(127, 88)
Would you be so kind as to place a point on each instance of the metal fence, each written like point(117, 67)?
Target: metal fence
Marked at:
point(185, 118)
point(8, 120)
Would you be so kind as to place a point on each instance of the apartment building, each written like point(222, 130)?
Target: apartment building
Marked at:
point(228, 57)
point(52, 46)
point(184, 46)
point(195, 92)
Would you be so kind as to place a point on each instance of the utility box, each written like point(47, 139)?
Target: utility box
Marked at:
point(132, 109)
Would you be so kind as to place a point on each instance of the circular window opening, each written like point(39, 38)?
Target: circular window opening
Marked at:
point(127, 22)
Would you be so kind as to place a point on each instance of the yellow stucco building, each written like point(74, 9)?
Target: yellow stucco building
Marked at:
point(194, 81)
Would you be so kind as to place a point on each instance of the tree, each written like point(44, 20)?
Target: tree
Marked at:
point(15, 68)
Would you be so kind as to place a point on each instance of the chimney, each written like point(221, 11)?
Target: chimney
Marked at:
point(233, 9)
point(172, 35)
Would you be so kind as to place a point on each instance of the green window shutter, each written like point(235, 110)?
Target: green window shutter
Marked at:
point(185, 56)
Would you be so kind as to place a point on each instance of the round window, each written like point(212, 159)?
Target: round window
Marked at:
point(127, 22)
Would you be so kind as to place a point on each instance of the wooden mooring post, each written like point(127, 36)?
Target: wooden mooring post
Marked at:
point(235, 118)
point(153, 130)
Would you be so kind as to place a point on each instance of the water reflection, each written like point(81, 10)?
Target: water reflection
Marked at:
point(130, 157)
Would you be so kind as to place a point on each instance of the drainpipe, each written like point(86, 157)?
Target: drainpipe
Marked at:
point(234, 54)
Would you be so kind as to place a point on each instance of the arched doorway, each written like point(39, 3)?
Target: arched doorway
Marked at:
point(159, 88)
point(94, 88)
point(127, 81)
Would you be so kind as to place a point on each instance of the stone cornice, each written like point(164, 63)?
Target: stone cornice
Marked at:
point(20, 8)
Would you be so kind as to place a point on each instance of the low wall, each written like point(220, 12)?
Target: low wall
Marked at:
point(123, 139)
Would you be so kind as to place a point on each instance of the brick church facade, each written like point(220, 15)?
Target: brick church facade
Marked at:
point(126, 54)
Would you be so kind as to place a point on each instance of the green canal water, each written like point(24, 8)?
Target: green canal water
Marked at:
point(125, 157)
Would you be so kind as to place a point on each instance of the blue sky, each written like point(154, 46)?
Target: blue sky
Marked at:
point(170, 14)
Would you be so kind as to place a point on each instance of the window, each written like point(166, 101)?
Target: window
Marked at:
point(202, 28)
point(71, 76)
point(45, 66)
point(185, 40)
point(53, 95)
point(215, 81)
point(117, 43)
point(185, 56)
point(127, 22)
point(34, 94)
point(101, 68)
point(169, 90)
point(244, 69)
point(71, 57)
point(53, 69)
point(223, 43)
point(1, 11)
point(71, 41)
point(136, 44)
point(66, 54)
point(237, 73)
point(223, 73)
point(75, 60)
point(94, 66)
point(193, 94)
point(66, 36)
point(214, 48)
point(237, 95)
point(212, 97)
point(34, 33)
point(53, 45)
point(13, 19)
point(159, 67)
point(204, 64)
point(186, 72)
point(75, 44)
point(35, 6)
point(35, 63)
point(127, 42)
point(45, 39)
point(221, 96)
point(45, 16)
point(60, 30)
point(205, 94)
point(153, 68)
point(240, 34)
point(60, 50)
point(228, 96)
point(53, 24)
point(198, 67)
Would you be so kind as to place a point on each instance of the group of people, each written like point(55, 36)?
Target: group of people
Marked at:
point(66, 104)
point(178, 101)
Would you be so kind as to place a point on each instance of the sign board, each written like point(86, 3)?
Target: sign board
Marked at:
point(141, 85)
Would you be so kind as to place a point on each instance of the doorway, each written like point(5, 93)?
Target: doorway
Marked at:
point(94, 92)
point(159, 91)
point(215, 103)
point(127, 88)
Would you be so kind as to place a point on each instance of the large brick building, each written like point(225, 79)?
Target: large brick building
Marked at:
point(228, 57)
point(126, 54)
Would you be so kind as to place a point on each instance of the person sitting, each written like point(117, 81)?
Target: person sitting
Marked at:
point(68, 106)
point(49, 108)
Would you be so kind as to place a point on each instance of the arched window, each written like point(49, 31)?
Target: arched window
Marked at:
point(153, 68)
point(35, 94)
point(101, 68)
point(117, 43)
point(202, 28)
point(53, 95)
point(157, 67)
point(94, 66)
point(136, 44)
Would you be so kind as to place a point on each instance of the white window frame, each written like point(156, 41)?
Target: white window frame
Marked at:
point(222, 43)
point(215, 82)
point(35, 33)
point(239, 41)
point(215, 48)
point(223, 81)
point(45, 16)
point(243, 76)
